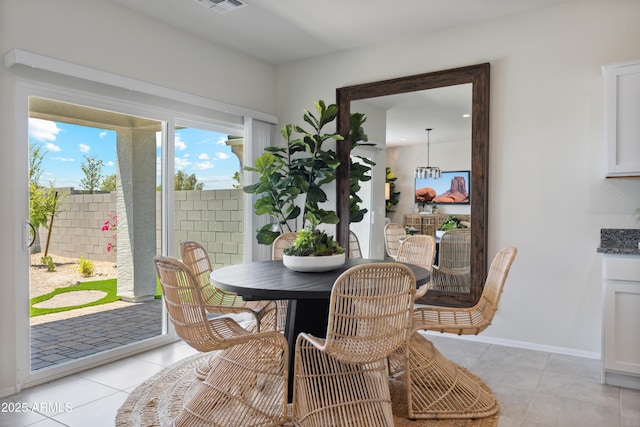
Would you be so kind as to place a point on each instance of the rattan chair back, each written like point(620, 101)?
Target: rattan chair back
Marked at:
point(455, 249)
point(494, 285)
point(354, 246)
point(453, 272)
point(470, 320)
point(182, 295)
point(370, 312)
point(418, 249)
point(195, 256)
point(392, 234)
point(282, 242)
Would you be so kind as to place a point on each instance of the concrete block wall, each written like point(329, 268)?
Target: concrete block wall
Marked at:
point(77, 230)
point(212, 217)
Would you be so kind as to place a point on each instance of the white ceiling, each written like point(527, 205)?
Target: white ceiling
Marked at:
point(281, 31)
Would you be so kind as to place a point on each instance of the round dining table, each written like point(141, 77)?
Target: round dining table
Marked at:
point(308, 293)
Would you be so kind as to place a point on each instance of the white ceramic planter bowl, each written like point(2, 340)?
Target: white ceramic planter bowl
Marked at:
point(439, 233)
point(308, 264)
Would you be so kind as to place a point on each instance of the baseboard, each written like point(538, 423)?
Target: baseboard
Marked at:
point(520, 344)
point(8, 391)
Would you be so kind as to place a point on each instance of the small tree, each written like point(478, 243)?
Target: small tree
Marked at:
point(109, 183)
point(238, 179)
point(92, 169)
point(42, 201)
point(184, 181)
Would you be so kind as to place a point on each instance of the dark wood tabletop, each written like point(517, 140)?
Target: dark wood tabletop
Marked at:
point(272, 280)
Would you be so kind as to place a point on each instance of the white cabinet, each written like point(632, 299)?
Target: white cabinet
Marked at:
point(622, 110)
point(621, 320)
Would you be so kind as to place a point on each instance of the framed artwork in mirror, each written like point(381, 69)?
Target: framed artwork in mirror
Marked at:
point(452, 188)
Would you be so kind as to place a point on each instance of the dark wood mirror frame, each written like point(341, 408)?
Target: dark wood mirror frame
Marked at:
point(478, 75)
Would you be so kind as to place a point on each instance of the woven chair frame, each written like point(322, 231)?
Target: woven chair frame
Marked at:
point(196, 257)
point(418, 249)
point(246, 386)
point(342, 380)
point(470, 320)
point(453, 272)
point(392, 234)
point(354, 246)
point(438, 388)
point(255, 360)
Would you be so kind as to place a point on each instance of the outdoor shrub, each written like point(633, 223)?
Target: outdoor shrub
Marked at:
point(48, 261)
point(86, 267)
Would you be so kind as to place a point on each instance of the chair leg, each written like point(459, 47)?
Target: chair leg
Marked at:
point(328, 392)
point(437, 388)
point(246, 386)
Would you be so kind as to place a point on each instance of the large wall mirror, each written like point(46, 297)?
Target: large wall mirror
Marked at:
point(478, 77)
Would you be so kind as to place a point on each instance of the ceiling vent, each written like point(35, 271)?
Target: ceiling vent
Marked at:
point(222, 6)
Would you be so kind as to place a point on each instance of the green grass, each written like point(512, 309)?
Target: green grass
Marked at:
point(109, 286)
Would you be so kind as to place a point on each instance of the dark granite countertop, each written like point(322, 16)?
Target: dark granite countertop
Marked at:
point(621, 241)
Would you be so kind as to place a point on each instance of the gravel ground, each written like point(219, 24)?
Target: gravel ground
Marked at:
point(65, 274)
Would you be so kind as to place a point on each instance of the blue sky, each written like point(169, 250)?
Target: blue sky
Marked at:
point(197, 151)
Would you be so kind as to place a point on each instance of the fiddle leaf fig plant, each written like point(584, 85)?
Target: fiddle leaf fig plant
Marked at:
point(299, 169)
point(291, 178)
point(359, 167)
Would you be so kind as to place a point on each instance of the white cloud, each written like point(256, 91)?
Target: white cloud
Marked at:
point(221, 156)
point(103, 134)
point(109, 163)
point(43, 130)
point(182, 163)
point(222, 140)
point(203, 156)
point(84, 148)
point(180, 144)
point(200, 166)
point(52, 147)
point(64, 159)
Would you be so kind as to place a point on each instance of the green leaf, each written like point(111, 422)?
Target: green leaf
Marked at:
point(267, 237)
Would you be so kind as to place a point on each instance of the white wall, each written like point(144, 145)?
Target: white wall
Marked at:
point(111, 38)
point(547, 195)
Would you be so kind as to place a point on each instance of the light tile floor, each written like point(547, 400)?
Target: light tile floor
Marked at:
point(534, 388)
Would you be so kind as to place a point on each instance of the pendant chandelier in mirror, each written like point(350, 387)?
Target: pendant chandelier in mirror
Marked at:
point(423, 172)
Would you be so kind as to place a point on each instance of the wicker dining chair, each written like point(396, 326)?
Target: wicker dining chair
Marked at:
point(453, 272)
point(470, 320)
point(392, 234)
point(435, 387)
point(282, 242)
point(341, 380)
point(195, 256)
point(247, 381)
point(418, 249)
point(354, 246)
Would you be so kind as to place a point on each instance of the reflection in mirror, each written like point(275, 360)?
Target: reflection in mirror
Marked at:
point(410, 105)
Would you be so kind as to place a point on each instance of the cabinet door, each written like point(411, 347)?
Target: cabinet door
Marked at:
point(622, 127)
point(621, 323)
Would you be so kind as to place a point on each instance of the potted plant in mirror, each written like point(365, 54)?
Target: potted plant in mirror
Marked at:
point(313, 250)
point(450, 223)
